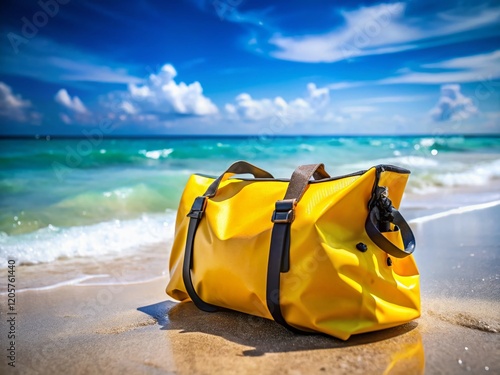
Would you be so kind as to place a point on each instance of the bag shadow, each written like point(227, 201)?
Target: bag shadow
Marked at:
point(264, 335)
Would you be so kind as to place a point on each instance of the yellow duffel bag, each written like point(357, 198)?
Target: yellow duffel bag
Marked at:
point(313, 252)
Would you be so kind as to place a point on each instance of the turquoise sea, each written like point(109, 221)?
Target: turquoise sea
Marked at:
point(73, 205)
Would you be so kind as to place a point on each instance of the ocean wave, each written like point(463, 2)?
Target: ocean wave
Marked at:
point(425, 180)
point(454, 211)
point(114, 237)
point(71, 159)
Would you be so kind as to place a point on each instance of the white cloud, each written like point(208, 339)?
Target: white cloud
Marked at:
point(310, 108)
point(313, 109)
point(74, 104)
point(129, 108)
point(14, 107)
point(453, 105)
point(249, 109)
point(9, 100)
point(381, 29)
point(162, 95)
point(318, 97)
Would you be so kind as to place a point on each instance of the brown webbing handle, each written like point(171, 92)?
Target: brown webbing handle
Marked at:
point(300, 179)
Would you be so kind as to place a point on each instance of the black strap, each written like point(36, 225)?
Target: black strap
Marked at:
point(195, 215)
point(279, 254)
point(371, 226)
point(239, 167)
point(279, 260)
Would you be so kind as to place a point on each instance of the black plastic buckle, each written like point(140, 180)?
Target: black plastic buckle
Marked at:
point(284, 212)
point(198, 207)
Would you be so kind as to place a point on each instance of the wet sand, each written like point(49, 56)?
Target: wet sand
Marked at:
point(136, 328)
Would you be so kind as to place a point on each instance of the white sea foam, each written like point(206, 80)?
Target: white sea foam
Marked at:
point(476, 175)
point(427, 142)
point(432, 179)
point(306, 147)
point(75, 281)
point(111, 237)
point(414, 161)
point(157, 154)
point(81, 281)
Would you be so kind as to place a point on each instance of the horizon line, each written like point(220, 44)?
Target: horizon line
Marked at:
point(166, 136)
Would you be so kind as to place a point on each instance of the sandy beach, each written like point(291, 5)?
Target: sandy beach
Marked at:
point(136, 328)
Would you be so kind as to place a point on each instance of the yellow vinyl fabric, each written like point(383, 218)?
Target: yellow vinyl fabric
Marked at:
point(331, 286)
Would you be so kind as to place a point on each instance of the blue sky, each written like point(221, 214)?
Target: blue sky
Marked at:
point(249, 67)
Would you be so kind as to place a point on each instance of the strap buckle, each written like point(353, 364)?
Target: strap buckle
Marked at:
point(284, 212)
point(198, 207)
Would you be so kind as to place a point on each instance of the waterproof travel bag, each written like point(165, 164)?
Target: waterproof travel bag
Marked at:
point(313, 252)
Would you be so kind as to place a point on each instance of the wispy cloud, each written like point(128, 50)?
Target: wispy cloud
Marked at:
point(358, 109)
point(193, 62)
point(474, 68)
point(229, 10)
point(382, 29)
point(49, 61)
point(394, 99)
point(462, 69)
point(346, 85)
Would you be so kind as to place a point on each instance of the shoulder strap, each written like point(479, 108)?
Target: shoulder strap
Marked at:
point(279, 254)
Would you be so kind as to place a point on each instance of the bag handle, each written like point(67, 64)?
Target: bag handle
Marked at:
point(239, 167)
point(195, 215)
point(279, 253)
point(300, 180)
point(381, 241)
